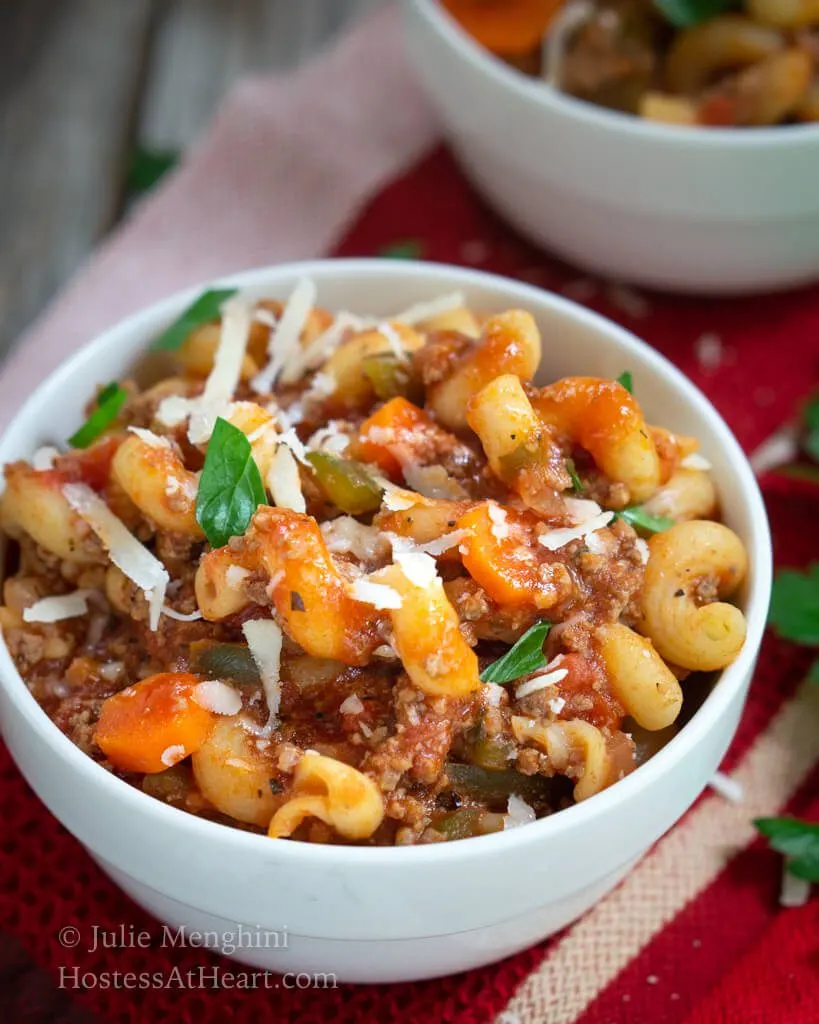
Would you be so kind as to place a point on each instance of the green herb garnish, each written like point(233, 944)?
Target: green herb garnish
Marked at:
point(794, 610)
point(109, 402)
point(147, 166)
point(206, 308)
point(577, 483)
point(637, 517)
point(685, 13)
point(524, 657)
point(626, 380)
point(797, 840)
point(406, 249)
point(230, 487)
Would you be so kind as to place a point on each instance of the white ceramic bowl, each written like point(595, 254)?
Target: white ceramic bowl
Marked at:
point(722, 211)
point(400, 913)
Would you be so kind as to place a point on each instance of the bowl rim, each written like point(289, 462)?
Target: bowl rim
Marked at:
point(191, 828)
point(537, 92)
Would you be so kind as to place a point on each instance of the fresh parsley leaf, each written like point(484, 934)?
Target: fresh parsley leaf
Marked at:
point(406, 249)
point(810, 424)
point(577, 483)
point(794, 610)
point(230, 487)
point(524, 657)
point(147, 166)
point(206, 308)
point(813, 672)
point(637, 517)
point(626, 379)
point(109, 402)
point(685, 13)
point(797, 840)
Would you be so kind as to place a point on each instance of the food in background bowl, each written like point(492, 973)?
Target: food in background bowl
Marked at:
point(688, 62)
point(358, 580)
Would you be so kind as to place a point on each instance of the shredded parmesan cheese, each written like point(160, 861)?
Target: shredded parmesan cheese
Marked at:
point(216, 696)
point(283, 345)
point(642, 549)
point(419, 568)
point(493, 694)
point(500, 527)
point(235, 575)
point(293, 442)
point(328, 439)
point(385, 651)
point(283, 480)
point(124, 550)
point(727, 787)
point(214, 401)
point(321, 386)
point(351, 705)
point(150, 438)
point(430, 481)
point(540, 682)
point(582, 510)
point(431, 547)
point(387, 331)
point(321, 348)
point(556, 539)
point(58, 607)
point(173, 755)
point(379, 595)
point(44, 457)
point(556, 705)
point(421, 311)
point(345, 535)
point(518, 813)
point(264, 638)
point(596, 544)
point(265, 316)
point(396, 499)
point(696, 461)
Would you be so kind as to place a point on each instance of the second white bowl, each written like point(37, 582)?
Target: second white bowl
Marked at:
point(689, 210)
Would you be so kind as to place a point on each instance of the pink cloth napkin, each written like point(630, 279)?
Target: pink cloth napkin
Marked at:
point(285, 166)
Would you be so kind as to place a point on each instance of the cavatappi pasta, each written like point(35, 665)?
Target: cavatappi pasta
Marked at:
point(717, 63)
point(339, 579)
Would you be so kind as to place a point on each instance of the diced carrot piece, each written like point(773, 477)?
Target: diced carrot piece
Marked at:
point(506, 567)
point(506, 27)
point(397, 422)
point(154, 724)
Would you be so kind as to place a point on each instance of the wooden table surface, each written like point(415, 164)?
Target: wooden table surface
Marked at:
point(87, 84)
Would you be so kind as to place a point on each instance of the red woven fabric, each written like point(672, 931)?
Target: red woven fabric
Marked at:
point(731, 955)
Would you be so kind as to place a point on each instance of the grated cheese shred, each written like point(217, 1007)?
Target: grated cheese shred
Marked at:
point(284, 482)
point(58, 607)
point(553, 540)
point(124, 550)
point(283, 345)
point(264, 638)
